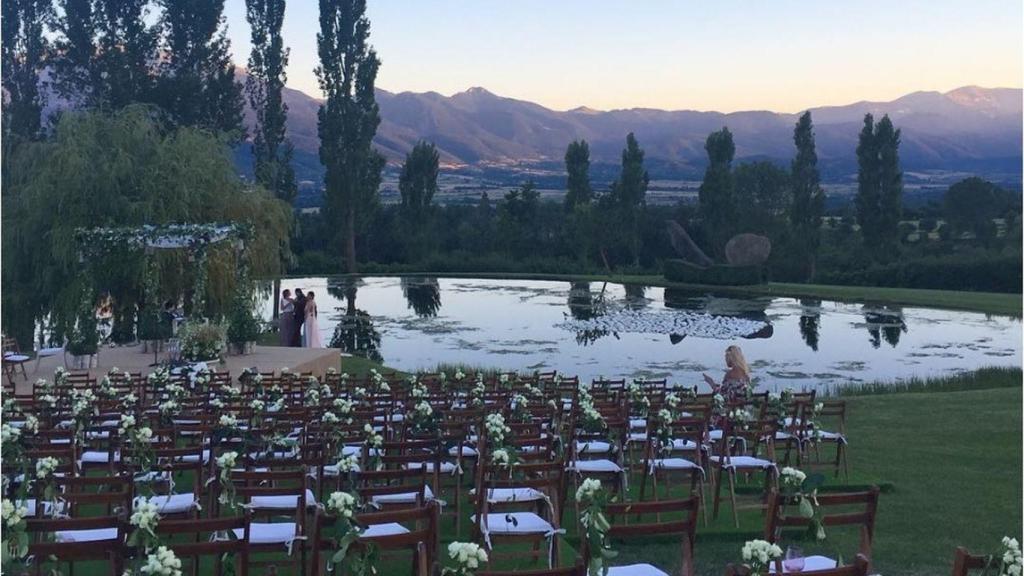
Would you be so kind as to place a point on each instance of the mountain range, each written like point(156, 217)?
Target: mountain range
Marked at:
point(969, 129)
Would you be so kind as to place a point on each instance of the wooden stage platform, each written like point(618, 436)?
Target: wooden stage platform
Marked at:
point(131, 358)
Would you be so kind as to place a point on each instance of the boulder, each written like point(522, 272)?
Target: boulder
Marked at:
point(747, 250)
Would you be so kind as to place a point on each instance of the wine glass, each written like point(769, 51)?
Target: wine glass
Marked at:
point(794, 561)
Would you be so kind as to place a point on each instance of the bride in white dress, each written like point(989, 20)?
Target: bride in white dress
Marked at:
point(312, 330)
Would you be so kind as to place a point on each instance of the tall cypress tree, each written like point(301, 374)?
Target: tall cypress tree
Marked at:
point(264, 84)
point(127, 49)
point(577, 167)
point(879, 197)
point(866, 200)
point(715, 196)
point(890, 186)
point(348, 118)
point(75, 71)
point(23, 53)
point(418, 181)
point(808, 198)
point(630, 193)
point(197, 82)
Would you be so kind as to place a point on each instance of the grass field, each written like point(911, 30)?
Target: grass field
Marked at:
point(986, 302)
point(947, 456)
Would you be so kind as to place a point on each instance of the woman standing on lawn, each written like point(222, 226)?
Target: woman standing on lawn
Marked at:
point(736, 379)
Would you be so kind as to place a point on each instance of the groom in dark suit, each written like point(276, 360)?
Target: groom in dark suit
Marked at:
point(300, 317)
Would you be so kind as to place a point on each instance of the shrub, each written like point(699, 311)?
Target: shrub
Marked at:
point(680, 271)
point(243, 326)
point(958, 272)
point(201, 341)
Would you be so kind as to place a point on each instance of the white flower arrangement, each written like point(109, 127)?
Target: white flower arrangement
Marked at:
point(45, 467)
point(329, 417)
point(217, 403)
point(162, 563)
point(9, 433)
point(792, 477)
point(169, 407)
point(257, 405)
point(459, 376)
point(342, 504)
point(587, 490)
point(146, 516)
point(1012, 560)
point(519, 402)
point(373, 439)
point(348, 464)
point(31, 424)
point(673, 400)
point(758, 555)
point(227, 460)
point(332, 370)
point(13, 515)
point(126, 425)
point(343, 406)
point(500, 458)
point(424, 409)
point(494, 424)
point(228, 421)
point(468, 556)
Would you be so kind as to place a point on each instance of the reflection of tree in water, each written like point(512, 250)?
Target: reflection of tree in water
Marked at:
point(422, 295)
point(809, 321)
point(355, 332)
point(755, 309)
point(584, 305)
point(885, 323)
point(636, 298)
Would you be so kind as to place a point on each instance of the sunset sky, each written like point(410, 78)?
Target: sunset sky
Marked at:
point(727, 55)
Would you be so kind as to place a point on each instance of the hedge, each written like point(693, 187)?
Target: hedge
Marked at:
point(985, 274)
point(680, 271)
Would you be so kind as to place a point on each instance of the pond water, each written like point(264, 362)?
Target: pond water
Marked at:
point(611, 330)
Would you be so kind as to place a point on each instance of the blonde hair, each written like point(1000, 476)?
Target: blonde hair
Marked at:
point(734, 359)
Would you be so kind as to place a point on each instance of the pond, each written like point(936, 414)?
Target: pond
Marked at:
point(610, 330)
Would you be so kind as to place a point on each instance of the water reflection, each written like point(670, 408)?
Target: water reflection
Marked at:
point(810, 317)
point(884, 323)
point(422, 295)
point(355, 332)
point(584, 305)
point(753, 308)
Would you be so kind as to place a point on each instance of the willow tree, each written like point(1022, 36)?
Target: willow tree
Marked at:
point(125, 169)
point(348, 118)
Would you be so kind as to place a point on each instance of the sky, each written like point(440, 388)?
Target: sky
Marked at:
point(727, 55)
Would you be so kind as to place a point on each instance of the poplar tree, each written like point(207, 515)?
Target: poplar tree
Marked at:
point(715, 196)
point(417, 182)
point(629, 193)
point(348, 118)
point(577, 167)
point(879, 198)
point(264, 85)
point(197, 79)
point(808, 203)
point(23, 53)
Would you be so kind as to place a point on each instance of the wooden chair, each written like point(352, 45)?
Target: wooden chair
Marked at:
point(684, 458)
point(859, 567)
point(13, 359)
point(683, 523)
point(856, 509)
point(577, 570)
point(280, 494)
point(207, 537)
point(760, 433)
point(72, 540)
point(410, 529)
point(964, 562)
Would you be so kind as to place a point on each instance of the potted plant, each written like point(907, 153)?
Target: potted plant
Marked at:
point(153, 330)
point(243, 326)
point(84, 342)
point(202, 341)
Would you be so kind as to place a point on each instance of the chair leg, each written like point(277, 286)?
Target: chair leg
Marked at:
point(732, 496)
point(718, 490)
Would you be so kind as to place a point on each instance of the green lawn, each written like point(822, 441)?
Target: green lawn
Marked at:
point(949, 463)
point(987, 302)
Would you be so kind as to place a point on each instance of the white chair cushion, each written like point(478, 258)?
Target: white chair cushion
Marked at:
point(525, 523)
point(269, 533)
point(683, 444)
point(193, 458)
point(30, 504)
point(674, 464)
point(638, 437)
point(96, 457)
point(403, 498)
point(332, 469)
point(597, 466)
point(170, 503)
point(466, 451)
point(811, 563)
point(831, 436)
point(746, 462)
point(11, 357)
point(638, 423)
point(94, 535)
point(46, 352)
point(635, 570)
point(282, 502)
point(446, 467)
point(378, 530)
point(514, 495)
point(593, 447)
